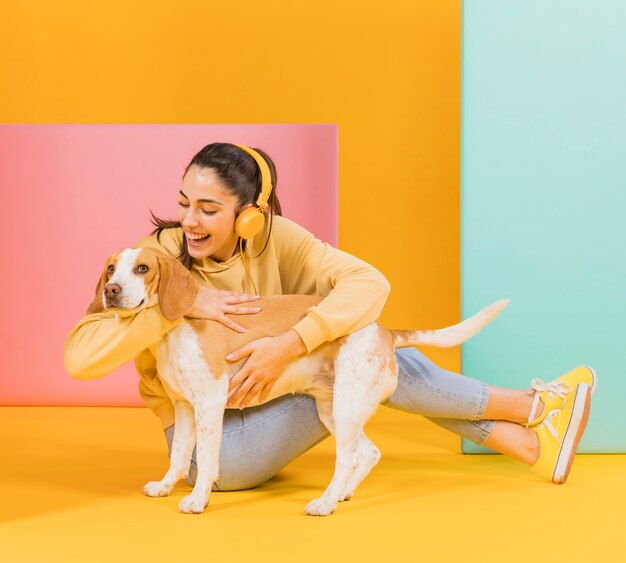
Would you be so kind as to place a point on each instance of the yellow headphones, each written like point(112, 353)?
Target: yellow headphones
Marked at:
point(251, 220)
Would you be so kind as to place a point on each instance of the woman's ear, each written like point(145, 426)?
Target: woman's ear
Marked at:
point(177, 287)
point(97, 305)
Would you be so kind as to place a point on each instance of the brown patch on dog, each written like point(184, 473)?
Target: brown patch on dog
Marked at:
point(278, 314)
point(384, 350)
point(96, 305)
point(170, 280)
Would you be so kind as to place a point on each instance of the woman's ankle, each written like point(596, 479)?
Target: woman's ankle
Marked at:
point(532, 446)
point(513, 405)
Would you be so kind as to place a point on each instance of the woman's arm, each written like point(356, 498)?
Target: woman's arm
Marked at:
point(102, 342)
point(355, 292)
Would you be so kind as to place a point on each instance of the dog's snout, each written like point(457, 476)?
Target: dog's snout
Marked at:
point(112, 290)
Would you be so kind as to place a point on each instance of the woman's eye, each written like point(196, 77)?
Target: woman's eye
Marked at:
point(185, 205)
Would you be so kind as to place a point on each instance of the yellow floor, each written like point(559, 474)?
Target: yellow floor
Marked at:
point(71, 482)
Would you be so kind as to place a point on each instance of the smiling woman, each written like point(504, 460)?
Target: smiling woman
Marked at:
point(219, 182)
point(204, 218)
point(220, 185)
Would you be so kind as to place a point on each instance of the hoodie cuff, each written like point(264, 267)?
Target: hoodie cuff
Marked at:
point(160, 323)
point(312, 332)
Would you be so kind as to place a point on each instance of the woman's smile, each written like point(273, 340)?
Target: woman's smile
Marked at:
point(195, 239)
point(207, 205)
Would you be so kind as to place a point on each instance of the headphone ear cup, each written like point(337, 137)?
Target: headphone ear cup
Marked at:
point(249, 223)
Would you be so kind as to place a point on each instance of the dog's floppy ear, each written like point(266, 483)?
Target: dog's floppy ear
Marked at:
point(96, 305)
point(177, 287)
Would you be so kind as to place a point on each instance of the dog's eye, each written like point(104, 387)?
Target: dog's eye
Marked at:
point(111, 269)
point(142, 268)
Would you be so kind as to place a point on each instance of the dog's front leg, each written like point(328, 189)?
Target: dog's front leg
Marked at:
point(182, 450)
point(209, 411)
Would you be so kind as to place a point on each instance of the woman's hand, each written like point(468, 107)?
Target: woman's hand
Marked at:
point(214, 304)
point(267, 359)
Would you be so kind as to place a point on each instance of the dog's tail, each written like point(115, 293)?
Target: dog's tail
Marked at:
point(452, 335)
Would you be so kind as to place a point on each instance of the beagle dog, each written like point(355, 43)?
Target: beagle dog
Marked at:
point(348, 377)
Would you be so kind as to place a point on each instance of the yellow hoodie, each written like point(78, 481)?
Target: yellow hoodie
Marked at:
point(294, 262)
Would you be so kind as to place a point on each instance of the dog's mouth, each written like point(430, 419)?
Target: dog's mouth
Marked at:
point(114, 303)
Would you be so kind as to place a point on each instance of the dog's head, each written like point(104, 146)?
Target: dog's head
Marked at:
point(132, 278)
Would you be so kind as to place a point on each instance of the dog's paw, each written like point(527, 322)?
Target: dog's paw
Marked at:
point(156, 489)
point(345, 496)
point(193, 504)
point(321, 507)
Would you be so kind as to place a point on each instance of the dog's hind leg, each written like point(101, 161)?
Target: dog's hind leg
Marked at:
point(367, 456)
point(180, 456)
point(209, 418)
point(346, 437)
point(362, 380)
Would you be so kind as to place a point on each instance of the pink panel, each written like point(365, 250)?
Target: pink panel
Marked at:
point(74, 194)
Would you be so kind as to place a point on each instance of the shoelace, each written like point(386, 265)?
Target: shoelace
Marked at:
point(546, 422)
point(554, 388)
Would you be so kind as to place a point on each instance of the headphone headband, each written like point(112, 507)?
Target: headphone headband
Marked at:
point(266, 176)
point(251, 219)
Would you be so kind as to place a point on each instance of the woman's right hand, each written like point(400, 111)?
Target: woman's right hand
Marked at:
point(214, 304)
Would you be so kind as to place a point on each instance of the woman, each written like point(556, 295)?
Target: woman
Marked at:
point(220, 182)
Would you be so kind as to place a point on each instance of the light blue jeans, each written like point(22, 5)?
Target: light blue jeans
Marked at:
point(257, 442)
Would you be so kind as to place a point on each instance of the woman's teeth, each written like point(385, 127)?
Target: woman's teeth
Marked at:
point(197, 240)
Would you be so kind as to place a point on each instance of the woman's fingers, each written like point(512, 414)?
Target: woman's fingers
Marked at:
point(215, 304)
point(242, 310)
point(251, 394)
point(243, 389)
point(237, 355)
point(229, 323)
point(234, 298)
point(241, 375)
point(266, 390)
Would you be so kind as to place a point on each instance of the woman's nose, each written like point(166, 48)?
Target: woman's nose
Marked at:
point(189, 220)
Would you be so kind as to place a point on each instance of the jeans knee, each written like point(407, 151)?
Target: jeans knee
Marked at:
point(238, 484)
point(231, 481)
point(411, 360)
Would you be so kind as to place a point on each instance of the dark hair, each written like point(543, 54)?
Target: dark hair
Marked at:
point(240, 173)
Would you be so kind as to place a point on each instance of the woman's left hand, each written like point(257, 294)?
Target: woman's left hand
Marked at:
point(267, 359)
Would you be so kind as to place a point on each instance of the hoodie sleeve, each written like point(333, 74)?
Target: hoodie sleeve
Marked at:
point(101, 342)
point(355, 292)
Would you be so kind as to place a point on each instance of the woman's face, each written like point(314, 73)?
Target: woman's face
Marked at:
point(206, 207)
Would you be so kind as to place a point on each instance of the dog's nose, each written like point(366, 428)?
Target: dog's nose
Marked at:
point(111, 290)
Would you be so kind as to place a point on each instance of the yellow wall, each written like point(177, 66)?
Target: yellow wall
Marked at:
point(387, 73)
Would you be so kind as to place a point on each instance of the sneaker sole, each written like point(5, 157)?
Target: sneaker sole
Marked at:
point(575, 429)
point(594, 379)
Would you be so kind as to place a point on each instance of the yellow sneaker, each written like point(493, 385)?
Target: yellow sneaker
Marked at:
point(559, 434)
point(554, 393)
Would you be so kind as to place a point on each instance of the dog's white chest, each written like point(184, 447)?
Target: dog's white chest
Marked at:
point(182, 366)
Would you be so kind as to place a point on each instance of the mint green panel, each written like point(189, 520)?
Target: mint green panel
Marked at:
point(543, 191)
